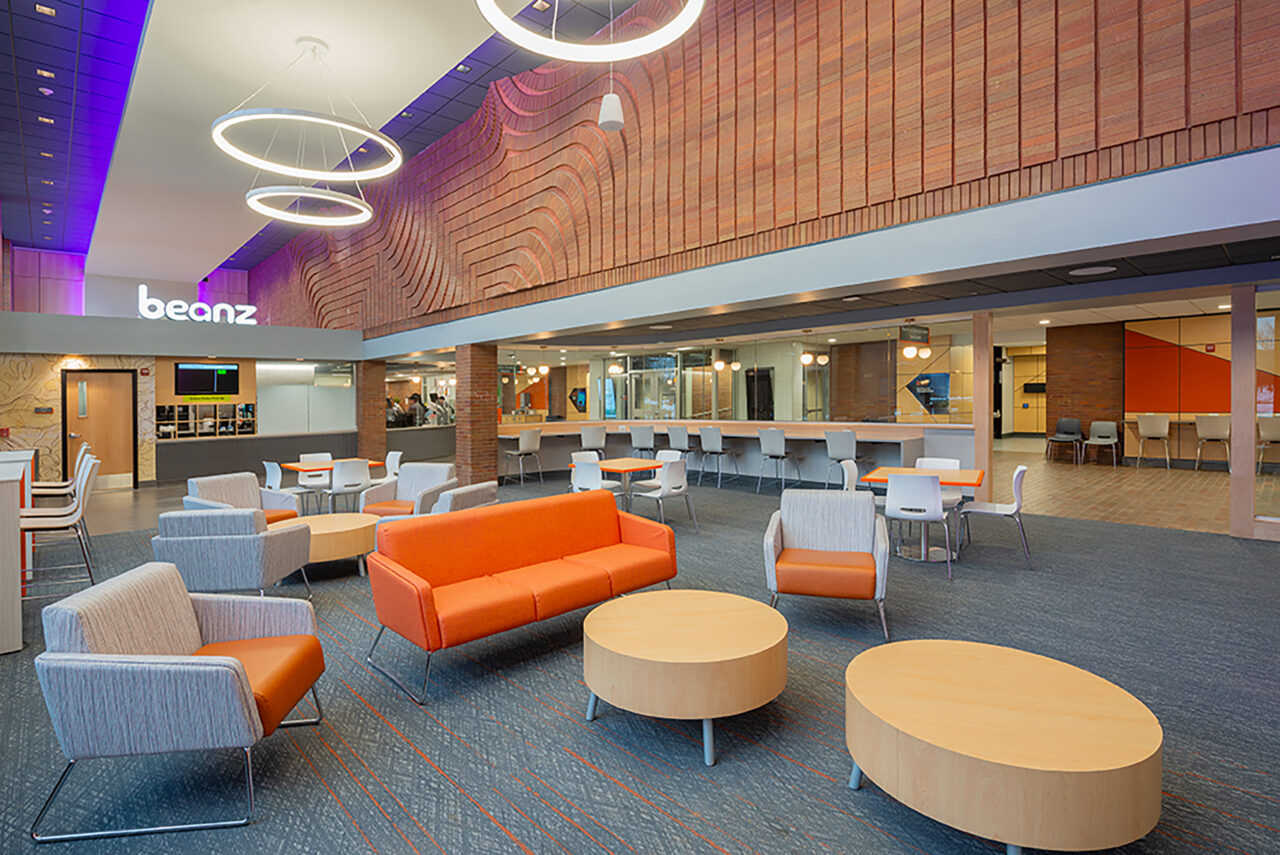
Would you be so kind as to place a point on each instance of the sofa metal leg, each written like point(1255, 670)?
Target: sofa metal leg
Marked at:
point(773, 600)
point(884, 622)
point(306, 581)
point(316, 719)
point(420, 700)
point(154, 829)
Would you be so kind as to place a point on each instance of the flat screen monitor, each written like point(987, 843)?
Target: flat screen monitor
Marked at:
point(1033, 388)
point(206, 378)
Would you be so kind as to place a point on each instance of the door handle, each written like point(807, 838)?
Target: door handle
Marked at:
point(74, 435)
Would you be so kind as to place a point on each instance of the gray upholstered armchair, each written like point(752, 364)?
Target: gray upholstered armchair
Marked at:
point(136, 665)
point(239, 490)
point(231, 550)
point(458, 499)
point(413, 491)
point(824, 543)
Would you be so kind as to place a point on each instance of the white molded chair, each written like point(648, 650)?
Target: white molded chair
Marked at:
point(1214, 428)
point(391, 467)
point(641, 440)
point(952, 497)
point(666, 455)
point(1101, 435)
point(594, 438)
point(1268, 432)
point(842, 445)
point(711, 442)
point(918, 498)
point(1153, 426)
point(350, 477)
point(773, 447)
point(275, 475)
point(1013, 511)
point(315, 482)
point(528, 444)
point(673, 482)
point(587, 475)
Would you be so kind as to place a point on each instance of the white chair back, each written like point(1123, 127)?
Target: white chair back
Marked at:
point(1213, 427)
point(678, 437)
point(773, 442)
point(1018, 475)
point(673, 478)
point(642, 437)
point(711, 439)
point(841, 444)
point(530, 440)
point(583, 456)
point(274, 474)
point(587, 476)
point(851, 475)
point(314, 480)
point(666, 455)
point(351, 476)
point(593, 437)
point(1103, 431)
point(1153, 425)
point(1269, 429)
point(393, 463)
point(937, 463)
point(914, 497)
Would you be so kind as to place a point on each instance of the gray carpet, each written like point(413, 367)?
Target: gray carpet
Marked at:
point(502, 760)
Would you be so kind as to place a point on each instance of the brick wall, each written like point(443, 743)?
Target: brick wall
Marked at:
point(371, 410)
point(775, 125)
point(862, 381)
point(477, 405)
point(1084, 375)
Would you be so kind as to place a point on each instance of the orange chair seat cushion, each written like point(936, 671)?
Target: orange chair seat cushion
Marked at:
point(277, 514)
point(559, 586)
point(390, 508)
point(281, 669)
point(822, 573)
point(478, 607)
point(629, 566)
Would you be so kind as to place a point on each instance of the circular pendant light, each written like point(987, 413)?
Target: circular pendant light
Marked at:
point(577, 52)
point(395, 157)
point(256, 199)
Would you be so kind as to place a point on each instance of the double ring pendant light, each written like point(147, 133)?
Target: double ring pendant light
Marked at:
point(338, 208)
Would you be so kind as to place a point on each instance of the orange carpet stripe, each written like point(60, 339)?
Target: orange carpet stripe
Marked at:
point(344, 605)
point(331, 792)
point(562, 815)
point(870, 825)
point(1225, 784)
point(579, 809)
point(1232, 763)
point(1166, 824)
point(1221, 811)
point(606, 775)
point(694, 813)
point(1158, 830)
point(787, 757)
point(376, 803)
point(526, 816)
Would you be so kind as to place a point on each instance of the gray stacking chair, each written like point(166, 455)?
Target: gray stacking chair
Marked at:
point(1214, 428)
point(594, 438)
point(1066, 430)
point(678, 440)
point(641, 440)
point(528, 444)
point(1101, 435)
point(1153, 426)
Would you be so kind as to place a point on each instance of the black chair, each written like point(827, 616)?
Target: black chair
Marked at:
point(1066, 430)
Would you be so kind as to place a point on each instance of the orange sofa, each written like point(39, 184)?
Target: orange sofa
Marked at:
point(443, 580)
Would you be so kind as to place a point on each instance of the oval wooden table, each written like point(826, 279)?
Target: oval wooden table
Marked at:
point(684, 654)
point(337, 536)
point(1004, 744)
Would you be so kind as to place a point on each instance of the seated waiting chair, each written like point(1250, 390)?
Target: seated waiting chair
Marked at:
point(1213, 428)
point(527, 445)
point(773, 448)
point(350, 478)
point(275, 477)
point(231, 550)
point(1153, 426)
point(593, 438)
point(824, 543)
point(673, 482)
point(136, 665)
point(642, 439)
point(1013, 511)
point(1101, 435)
point(1268, 433)
point(414, 490)
point(918, 498)
point(239, 490)
point(842, 445)
point(1066, 430)
point(711, 440)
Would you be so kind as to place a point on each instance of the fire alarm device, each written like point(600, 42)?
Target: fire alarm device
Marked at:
point(145, 372)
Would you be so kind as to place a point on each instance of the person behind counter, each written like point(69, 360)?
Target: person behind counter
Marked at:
point(417, 410)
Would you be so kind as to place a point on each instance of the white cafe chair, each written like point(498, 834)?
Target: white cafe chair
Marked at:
point(673, 482)
point(350, 478)
point(275, 475)
point(1012, 510)
point(315, 482)
point(917, 498)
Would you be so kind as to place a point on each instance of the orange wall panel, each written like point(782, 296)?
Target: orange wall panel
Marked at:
point(1204, 382)
point(1150, 378)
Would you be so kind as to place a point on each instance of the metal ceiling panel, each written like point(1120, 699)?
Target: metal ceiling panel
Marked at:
point(1021, 281)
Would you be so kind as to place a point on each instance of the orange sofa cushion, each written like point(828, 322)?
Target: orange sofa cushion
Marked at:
point(474, 608)
point(822, 573)
point(390, 508)
point(277, 514)
point(559, 586)
point(281, 669)
point(629, 566)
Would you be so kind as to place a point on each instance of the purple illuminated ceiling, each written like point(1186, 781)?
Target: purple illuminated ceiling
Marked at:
point(453, 98)
point(61, 112)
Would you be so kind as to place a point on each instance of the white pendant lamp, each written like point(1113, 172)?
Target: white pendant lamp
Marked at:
point(578, 52)
point(610, 113)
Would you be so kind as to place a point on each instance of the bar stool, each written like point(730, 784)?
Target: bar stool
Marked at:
point(773, 447)
point(68, 519)
point(641, 440)
point(593, 438)
point(1102, 434)
point(1213, 428)
point(678, 440)
point(1268, 432)
point(1153, 426)
point(712, 441)
point(842, 445)
point(528, 445)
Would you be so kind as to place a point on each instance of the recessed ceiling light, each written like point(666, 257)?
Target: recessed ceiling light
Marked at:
point(45, 90)
point(47, 210)
point(686, 347)
point(405, 114)
point(851, 299)
point(463, 68)
point(45, 120)
point(46, 154)
point(1224, 305)
point(47, 222)
point(541, 5)
point(363, 149)
point(40, 72)
point(46, 237)
point(563, 350)
point(659, 326)
point(1044, 322)
point(46, 181)
point(46, 10)
point(1092, 271)
point(831, 341)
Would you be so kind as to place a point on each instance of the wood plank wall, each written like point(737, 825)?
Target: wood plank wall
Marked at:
point(774, 125)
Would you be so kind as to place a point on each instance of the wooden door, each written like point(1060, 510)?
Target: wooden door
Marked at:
point(98, 407)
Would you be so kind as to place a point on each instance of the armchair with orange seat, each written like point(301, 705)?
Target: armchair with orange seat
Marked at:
point(827, 543)
point(442, 580)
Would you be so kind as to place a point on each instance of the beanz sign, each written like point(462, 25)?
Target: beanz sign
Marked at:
point(153, 309)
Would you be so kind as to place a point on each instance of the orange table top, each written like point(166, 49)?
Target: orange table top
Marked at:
point(946, 477)
point(619, 465)
point(323, 467)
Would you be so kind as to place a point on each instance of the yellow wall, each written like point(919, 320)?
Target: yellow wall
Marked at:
point(1028, 367)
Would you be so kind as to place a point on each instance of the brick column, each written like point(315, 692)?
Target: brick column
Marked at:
point(477, 421)
point(371, 409)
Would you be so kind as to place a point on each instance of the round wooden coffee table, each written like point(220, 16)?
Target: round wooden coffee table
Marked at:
point(684, 654)
point(336, 536)
point(1004, 744)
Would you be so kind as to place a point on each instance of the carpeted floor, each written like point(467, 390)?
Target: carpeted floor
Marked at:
point(502, 760)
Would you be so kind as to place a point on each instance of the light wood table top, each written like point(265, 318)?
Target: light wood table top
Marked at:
point(323, 467)
point(618, 465)
point(1005, 744)
point(335, 536)
point(946, 477)
point(866, 431)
